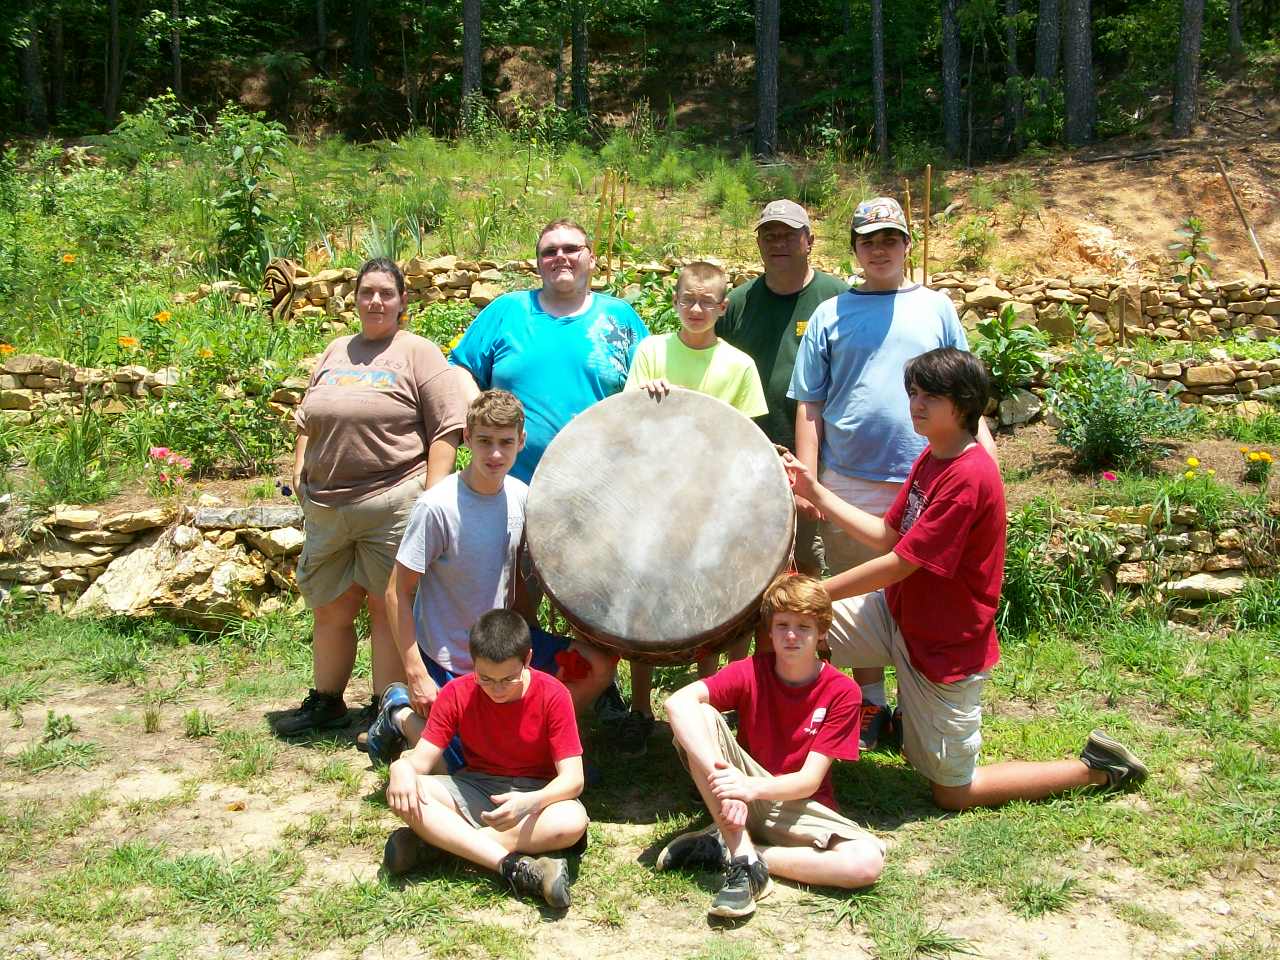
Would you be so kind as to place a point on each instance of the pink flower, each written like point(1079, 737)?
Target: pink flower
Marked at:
point(164, 477)
point(158, 453)
point(1108, 476)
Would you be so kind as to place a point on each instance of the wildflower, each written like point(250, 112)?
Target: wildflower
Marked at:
point(129, 343)
point(163, 317)
point(1190, 475)
point(1264, 456)
point(1245, 451)
point(68, 258)
point(1255, 456)
point(1212, 472)
point(1108, 476)
point(6, 349)
point(164, 477)
point(1193, 462)
point(204, 353)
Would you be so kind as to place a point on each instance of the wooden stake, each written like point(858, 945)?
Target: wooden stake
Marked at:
point(928, 203)
point(604, 189)
point(613, 221)
point(1244, 217)
point(622, 229)
point(906, 189)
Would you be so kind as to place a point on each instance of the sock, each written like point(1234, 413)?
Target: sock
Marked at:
point(397, 719)
point(874, 693)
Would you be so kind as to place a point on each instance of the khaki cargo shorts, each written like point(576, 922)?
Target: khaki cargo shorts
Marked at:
point(942, 722)
point(354, 543)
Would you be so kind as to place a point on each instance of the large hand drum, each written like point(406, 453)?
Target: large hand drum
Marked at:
point(656, 527)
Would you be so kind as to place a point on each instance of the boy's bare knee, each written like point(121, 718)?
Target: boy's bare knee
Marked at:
point(952, 798)
point(863, 862)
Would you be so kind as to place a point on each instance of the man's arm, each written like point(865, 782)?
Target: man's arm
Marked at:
point(809, 433)
point(299, 453)
point(399, 596)
point(730, 783)
point(402, 782)
point(870, 576)
point(866, 527)
point(469, 389)
point(515, 805)
point(441, 457)
point(987, 442)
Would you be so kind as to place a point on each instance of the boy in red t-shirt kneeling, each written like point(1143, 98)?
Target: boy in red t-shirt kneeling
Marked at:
point(517, 794)
point(927, 607)
point(769, 790)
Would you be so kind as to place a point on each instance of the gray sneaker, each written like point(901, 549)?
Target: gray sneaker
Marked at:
point(745, 882)
point(1123, 769)
point(701, 849)
point(545, 877)
point(406, 851)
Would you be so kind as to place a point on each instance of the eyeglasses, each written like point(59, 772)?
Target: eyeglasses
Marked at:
point(702, 303)
point(494, 682)
point(565, 249)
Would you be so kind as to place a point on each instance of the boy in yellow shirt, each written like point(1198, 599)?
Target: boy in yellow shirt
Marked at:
point(696, 359)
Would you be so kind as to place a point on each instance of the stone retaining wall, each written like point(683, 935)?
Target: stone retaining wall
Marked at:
point(207, 566)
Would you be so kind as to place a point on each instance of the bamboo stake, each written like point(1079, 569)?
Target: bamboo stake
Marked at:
point(1253, 237)
point(622, 229)
point(928, 203)
point(906, 189)
point(613, 221)
point(604, 189)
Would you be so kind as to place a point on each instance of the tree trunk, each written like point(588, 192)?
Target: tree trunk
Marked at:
point(1187, 68)
point(1048, 40)
point(34, 104)
point(111, 89)
point(57, 64)
point(322, 35)
point(559, 81)
point(1081, 104)
point(1235, 35)
point(176, 49)
point(1013, 77)
point(767, 14)
point(471, 19)
point(951, 77)
point(877, 80)
point(579, 54)
point(361, 46)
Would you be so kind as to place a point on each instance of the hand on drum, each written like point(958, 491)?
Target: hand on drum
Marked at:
point(730, 783)
point(656, 389)
point(512, 808)
point(802, 484)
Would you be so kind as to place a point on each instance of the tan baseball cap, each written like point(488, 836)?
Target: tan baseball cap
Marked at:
point(879, 214)
point(784, 211)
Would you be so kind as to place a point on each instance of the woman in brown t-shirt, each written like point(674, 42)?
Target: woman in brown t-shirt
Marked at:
point(380, 422)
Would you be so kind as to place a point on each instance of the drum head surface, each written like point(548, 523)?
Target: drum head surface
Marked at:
point(656, 527)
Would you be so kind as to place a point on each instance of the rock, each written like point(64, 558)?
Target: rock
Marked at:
point(1024, 314)
point(236, 518)
point(483, 294)
point(137, 520)
point(17, 399)
point(24, 572)
point(1023, 407)
point(1270, 394)
point(1215, 585)
point(131, 373)
point(1139, 515)
point(209, 500)
point(164, 377)
point(278, 543)
point(1059, 326)
point(490, 274)
point(77, 518)
point(1229, 539)
point(24, 363)
point(1228, 560)
point(1133, 574)
point(1208, 374)
point(69, 581)
point(1067, 296)
point(97, 538)
point(184, 537)
point(205, 586)
point(69, 556)
point(1201, 541)
point(986, 297)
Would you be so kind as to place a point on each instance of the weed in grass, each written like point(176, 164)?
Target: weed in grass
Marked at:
point(56, 754)
point(151, 720)
point(118, 658)
point(197, 723)
point(1148, 918)
point(15, 695)
point(892, 914)
point(246, 754)
point(338, 771)
point(1036, 895)
point(718, 948)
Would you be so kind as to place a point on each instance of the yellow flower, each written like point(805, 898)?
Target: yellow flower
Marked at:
point(127, 342)
point(68, 258)
point(1255, 456)
point(204, 353)
point(163, 317)
point(1212, 472)
point(6, 349)
point(453, 344)
point(1265, 457)
point(1245, 451)
point(1193, 462)
point(1190, 474)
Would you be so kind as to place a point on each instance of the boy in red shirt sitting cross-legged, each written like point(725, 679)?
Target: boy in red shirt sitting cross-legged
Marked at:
point(517, 794)
point(927, 607)
point(769, 790)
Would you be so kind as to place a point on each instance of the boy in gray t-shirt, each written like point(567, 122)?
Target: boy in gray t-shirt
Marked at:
point(459, 554)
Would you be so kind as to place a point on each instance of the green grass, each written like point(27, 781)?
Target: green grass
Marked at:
point(246, 754)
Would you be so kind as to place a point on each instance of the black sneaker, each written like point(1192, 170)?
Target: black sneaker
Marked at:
point(545, 877)
point(406, 851)
point(702, 849)
point(609, 706)
point(630, 738)
point(745, 882)
point(318, 711)
point(1121, 766)
point(877, 726)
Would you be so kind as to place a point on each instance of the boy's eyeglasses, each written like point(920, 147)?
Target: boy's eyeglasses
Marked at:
point(493, 682)
point(704, 303)
point(566, 249)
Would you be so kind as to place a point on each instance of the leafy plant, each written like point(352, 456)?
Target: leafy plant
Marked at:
point(982, 194)
point(976, 240)
point(1257, 466)
point(1010, 352)
point(1022, 196)
point(74, 463)
point(1108, 417)
point(1192, 258)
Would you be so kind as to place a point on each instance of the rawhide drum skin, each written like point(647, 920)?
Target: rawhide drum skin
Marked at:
point(655, 527)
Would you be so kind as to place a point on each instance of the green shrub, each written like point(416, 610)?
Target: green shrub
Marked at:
point(1022, 196)
point(74, 464)
point(976, 240)
point(725, 187)
point(1109, 417)
point(1192, 259)
point(1010, 352)
point(982, 195)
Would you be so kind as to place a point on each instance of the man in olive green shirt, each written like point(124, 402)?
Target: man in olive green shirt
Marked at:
point(767, 317)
